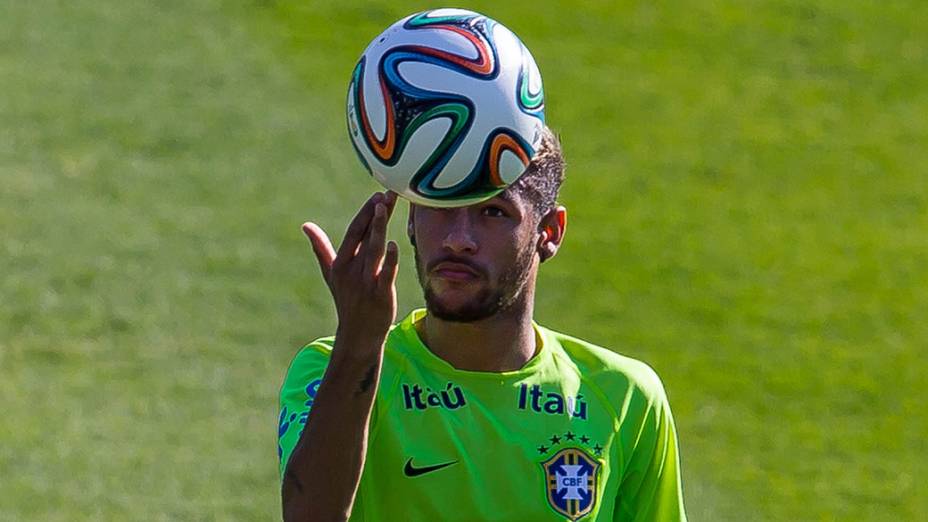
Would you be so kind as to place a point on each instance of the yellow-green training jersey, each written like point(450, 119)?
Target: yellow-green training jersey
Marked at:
point(578, 433)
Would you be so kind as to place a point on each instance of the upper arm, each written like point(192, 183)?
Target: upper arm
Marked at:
point(296, 397)
point(651, 488)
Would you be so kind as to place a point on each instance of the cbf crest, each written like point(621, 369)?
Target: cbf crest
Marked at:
point(571, 478)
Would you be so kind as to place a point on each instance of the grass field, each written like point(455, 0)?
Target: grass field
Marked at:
point(748, 197)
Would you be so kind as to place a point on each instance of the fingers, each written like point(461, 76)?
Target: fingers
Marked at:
point(391, 259)
point(390, 200)
point(322, 247)
point(376, 240)
point(357, 229)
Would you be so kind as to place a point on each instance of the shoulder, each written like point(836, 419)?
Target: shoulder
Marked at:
point(320, 350)
point(310, 361)
point(312, 353)
point(307, 365)
point(607, 369)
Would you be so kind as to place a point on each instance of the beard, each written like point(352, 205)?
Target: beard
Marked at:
point(490, 301)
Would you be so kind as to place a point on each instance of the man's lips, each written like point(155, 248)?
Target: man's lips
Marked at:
point(455, 271)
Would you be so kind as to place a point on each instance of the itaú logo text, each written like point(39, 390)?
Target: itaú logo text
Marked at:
point(416, 397)
point(553, 403)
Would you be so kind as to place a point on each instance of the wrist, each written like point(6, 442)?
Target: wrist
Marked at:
point(357, 345)
point(355, 365)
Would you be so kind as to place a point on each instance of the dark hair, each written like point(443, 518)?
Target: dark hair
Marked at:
point(542, 179)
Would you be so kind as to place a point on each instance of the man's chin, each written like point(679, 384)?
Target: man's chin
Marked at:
point(449, 309)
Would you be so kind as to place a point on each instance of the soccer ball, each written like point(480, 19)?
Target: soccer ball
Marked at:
point(446, 108)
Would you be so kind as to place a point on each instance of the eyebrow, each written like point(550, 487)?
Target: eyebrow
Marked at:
point(511, 200)
point(505, 196)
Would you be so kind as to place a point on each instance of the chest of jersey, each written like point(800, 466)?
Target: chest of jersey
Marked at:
point(488, 448)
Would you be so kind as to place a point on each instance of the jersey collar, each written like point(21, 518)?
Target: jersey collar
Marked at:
point(421, 352)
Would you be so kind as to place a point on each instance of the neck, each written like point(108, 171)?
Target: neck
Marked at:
point(504, 342)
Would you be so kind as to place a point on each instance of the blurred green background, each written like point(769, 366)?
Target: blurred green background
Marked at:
point(748, 196)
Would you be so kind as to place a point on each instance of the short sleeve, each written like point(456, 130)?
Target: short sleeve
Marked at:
point(297, 394)
point(651, 489)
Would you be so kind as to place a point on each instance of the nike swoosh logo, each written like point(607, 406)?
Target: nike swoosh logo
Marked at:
point(411, 471)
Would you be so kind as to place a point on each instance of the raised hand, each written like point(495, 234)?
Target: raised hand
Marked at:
point(361, 277)
point(362, 274)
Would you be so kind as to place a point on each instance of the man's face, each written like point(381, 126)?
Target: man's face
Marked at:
point(475, 261)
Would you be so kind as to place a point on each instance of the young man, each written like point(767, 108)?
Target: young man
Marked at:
point(468, 410)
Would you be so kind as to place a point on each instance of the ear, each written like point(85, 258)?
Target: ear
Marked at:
point(551, 231)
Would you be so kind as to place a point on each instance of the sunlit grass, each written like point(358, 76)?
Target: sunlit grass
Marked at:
point(748, 206)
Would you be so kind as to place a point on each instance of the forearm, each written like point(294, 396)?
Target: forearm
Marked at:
point(325, 468)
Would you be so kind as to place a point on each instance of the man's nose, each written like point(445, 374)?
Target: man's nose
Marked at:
point(460, 237)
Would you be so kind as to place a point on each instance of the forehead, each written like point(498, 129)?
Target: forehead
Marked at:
point(512, 195)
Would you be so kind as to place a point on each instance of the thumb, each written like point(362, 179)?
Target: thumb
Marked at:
point(322, 247)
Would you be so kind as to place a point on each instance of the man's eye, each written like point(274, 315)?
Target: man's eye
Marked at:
point(493, 212)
